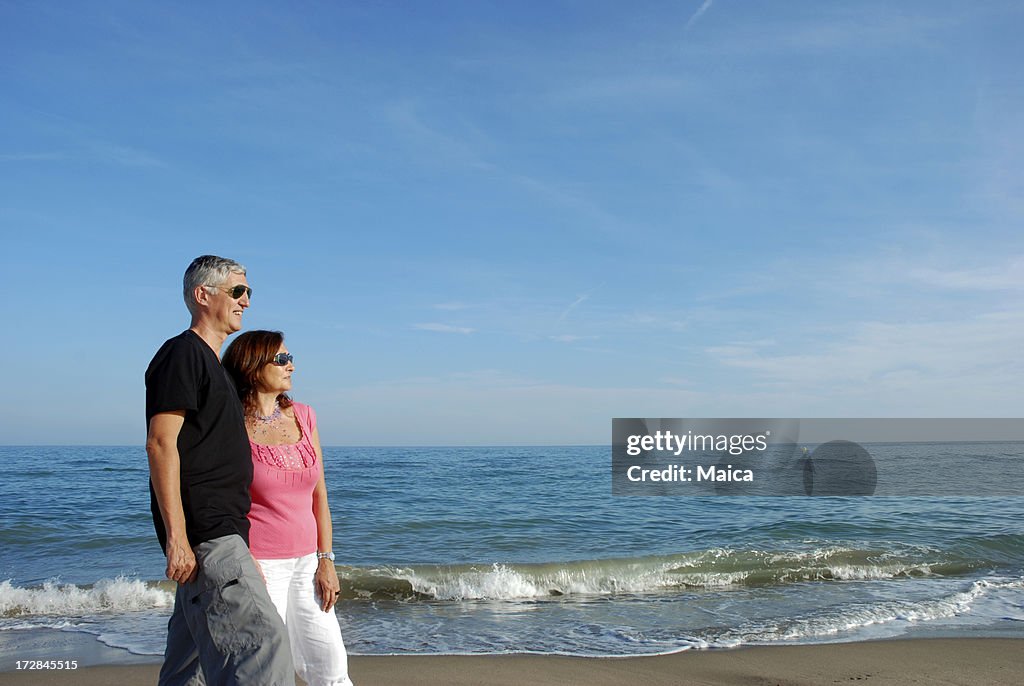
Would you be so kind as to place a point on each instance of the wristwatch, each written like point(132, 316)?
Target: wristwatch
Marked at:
point(325, 556)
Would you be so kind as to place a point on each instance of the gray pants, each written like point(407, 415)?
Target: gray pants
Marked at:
point(224, 629)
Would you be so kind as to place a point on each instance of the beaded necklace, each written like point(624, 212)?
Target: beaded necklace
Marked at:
point(270, 418)
point(272, 429)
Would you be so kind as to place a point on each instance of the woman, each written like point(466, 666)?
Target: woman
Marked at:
point(290, 521)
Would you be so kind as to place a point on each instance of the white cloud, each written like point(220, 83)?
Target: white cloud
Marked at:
point(94, 151)
point(569, 338)
point(443, 328)
point(124, 156)
point(33, 157)
point(962, 365)
point(705, 6)
point(572, 306)
point(435, 145)
point(1006, 276)
point(626, 89)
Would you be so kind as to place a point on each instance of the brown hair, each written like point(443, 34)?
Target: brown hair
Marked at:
point(244, 360)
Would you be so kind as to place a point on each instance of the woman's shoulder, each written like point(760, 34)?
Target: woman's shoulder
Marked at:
point(304, 411)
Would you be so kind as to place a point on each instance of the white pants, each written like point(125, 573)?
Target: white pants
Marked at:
point(317, 648)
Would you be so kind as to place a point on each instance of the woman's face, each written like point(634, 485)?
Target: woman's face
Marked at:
point(277, 378)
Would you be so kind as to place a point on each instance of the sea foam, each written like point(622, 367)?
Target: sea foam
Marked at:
point(55, 599)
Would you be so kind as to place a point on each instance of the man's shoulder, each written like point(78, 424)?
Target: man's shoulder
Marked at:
point(176, 347)
point(186, 340)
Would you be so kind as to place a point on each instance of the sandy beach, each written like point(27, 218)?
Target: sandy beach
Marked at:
point(912, 661)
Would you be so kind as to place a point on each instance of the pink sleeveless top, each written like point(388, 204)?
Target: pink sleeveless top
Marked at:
point(281, 521)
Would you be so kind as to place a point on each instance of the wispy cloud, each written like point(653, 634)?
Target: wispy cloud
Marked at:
point(79, 141)
point(997, 170)
point(569, 338)
point(452, 306)
point(461, 144)
point(950, 267)
point(93, 151)
point(124, 156)
point(705, 6)
point(836, 27)
point(1007, 276)
point(625, 90)
point(437, 145)
point(482, 379)
point(904, 362)
point(33, 157)
point(575, 303)
point(443, 328)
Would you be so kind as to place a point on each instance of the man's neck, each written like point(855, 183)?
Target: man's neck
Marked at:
point(213, 338)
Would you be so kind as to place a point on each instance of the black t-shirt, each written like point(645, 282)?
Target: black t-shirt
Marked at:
point(216, 465)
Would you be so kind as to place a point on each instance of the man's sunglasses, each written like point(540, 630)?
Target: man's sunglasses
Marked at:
point(235, 292)
point(281, 359)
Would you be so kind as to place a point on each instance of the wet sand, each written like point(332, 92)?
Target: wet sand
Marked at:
point(911, 661)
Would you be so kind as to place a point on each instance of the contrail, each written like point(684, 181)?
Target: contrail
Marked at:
point(573, 306)
point(698, 14)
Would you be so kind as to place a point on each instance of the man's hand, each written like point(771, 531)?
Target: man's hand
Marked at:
point(181, 562)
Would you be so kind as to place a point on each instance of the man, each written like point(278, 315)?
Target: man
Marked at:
point(224, 628)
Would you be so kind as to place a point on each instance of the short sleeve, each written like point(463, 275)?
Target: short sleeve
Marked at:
point(173, 379)
point(306, 417)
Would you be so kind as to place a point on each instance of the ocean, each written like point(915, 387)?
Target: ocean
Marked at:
point(525, 550)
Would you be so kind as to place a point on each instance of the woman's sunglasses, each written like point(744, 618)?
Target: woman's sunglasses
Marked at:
point(236, 292)
point(281, 359)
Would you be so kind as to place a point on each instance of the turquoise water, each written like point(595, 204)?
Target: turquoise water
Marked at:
point(494, 550)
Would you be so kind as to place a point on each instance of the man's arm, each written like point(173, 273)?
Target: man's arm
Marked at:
point(165, 474)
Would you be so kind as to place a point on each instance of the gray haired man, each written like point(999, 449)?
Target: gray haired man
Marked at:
point(224, 628)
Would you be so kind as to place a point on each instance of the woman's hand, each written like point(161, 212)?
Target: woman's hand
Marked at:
point(327, 584)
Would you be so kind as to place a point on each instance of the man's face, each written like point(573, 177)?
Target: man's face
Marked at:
point(224, 310)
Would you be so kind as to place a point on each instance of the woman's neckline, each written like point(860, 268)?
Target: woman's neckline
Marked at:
point(295, 418)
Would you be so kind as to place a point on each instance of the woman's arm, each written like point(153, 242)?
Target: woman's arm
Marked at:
point(326, 576)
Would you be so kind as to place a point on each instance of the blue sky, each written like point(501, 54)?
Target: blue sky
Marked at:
point(509, 222)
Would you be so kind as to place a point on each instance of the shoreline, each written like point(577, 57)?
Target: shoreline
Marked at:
point(890, 661)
